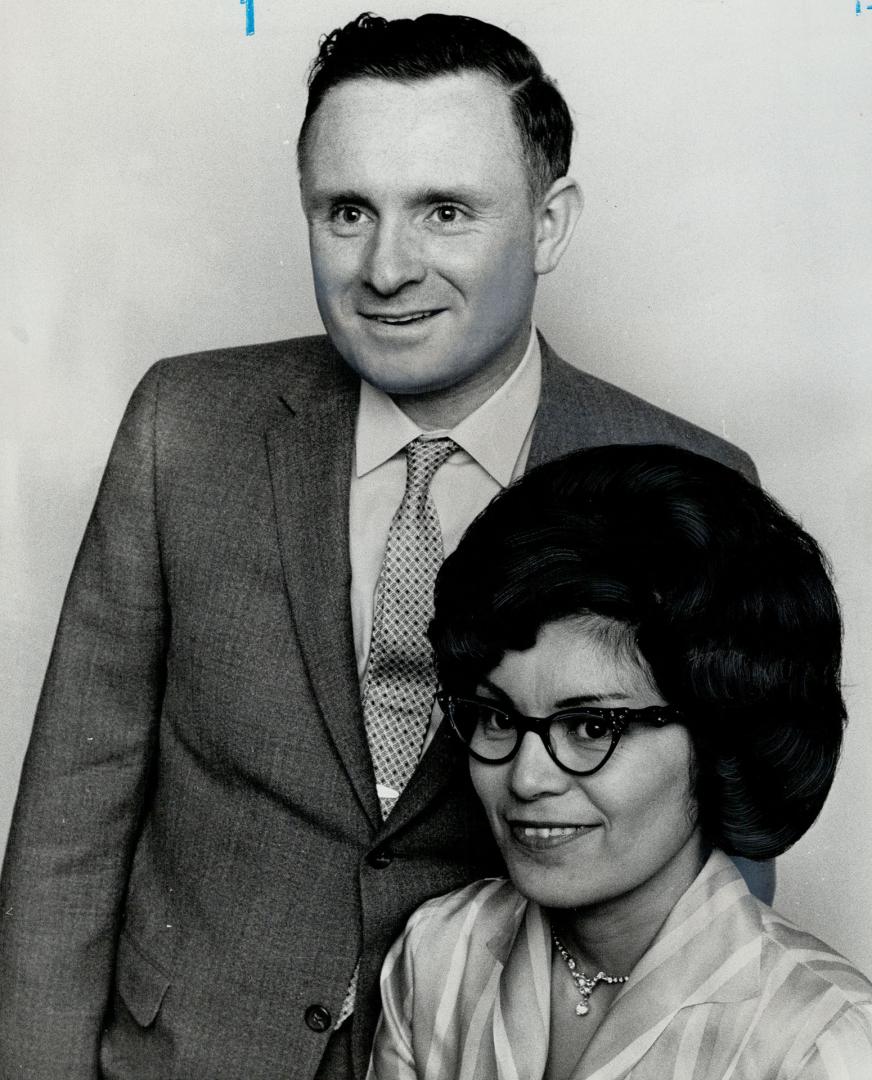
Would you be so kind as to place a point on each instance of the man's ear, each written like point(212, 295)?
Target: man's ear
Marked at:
point(556, 217)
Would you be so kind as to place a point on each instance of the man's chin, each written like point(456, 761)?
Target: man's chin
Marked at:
point(413, 383)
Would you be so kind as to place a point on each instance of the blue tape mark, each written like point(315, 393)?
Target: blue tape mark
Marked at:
point(858, 7)
point(249, 16)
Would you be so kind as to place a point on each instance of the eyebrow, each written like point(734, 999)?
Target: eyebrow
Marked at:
point(425, 197)
point(591, 699)
point(452, 195)
point(327, 198)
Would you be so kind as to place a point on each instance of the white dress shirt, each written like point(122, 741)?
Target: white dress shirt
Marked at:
point(494, 445)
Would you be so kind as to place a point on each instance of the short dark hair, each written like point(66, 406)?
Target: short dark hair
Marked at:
point(727, 599)
point(410, 49)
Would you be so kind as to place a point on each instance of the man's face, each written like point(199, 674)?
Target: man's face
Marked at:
point(421, 231)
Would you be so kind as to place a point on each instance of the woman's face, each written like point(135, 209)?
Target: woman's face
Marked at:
point(579, 841)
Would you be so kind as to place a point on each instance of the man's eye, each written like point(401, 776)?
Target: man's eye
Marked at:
point(447, 214)
point(347, 215)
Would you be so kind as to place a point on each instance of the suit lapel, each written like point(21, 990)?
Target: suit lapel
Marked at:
point(310, 459)
point(436, 768)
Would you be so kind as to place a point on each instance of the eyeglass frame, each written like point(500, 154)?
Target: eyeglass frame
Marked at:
point(619, 719)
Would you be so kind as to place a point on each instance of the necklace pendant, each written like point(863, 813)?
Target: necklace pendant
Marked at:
point(583, 983)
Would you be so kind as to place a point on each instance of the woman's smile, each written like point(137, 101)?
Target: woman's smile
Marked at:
point(537, 837)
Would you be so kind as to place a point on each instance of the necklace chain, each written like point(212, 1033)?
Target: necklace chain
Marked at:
point(586, 984)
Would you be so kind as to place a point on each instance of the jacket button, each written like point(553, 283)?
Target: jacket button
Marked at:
point(318, 1018)
point(380, 859)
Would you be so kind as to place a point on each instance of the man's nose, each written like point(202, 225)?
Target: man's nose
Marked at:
point(393, 258)
point(534, 772)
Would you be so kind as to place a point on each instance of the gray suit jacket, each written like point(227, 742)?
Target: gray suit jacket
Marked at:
point(197, 857)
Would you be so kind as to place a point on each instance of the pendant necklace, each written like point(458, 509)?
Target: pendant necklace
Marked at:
point(585, 984)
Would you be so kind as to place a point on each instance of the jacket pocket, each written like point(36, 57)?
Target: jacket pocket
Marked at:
point(141, 983)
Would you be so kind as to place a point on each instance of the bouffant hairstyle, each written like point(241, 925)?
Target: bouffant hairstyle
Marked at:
point(723, 595)
point(413, 49)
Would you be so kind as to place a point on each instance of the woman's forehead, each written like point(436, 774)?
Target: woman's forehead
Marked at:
point(586, 657)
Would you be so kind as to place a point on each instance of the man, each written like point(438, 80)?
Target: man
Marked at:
point(235, 793)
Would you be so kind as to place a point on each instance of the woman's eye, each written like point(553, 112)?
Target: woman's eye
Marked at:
point(495, 722)
point(590, 729)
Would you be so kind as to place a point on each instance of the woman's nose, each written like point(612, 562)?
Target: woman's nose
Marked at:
point(534, 772)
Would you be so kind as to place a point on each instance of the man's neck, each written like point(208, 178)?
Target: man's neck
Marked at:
point(442, 410)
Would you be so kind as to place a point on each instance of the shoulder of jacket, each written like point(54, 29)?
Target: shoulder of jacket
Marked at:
point(613, 414)
point(262, 361)
point(244, 384)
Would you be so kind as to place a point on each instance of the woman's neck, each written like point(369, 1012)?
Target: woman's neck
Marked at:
point(613, 935)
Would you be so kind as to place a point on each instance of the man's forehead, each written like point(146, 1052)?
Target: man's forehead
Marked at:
point(448, 90)
point(450, 123)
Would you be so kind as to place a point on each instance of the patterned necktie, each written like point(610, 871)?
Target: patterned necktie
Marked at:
point(400, 679)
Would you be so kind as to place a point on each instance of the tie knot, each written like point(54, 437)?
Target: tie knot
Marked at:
point(423, 458)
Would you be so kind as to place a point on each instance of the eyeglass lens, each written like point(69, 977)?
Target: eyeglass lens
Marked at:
point(579, 739)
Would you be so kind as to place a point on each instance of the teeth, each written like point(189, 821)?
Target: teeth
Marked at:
point(399, 319)
point(544, 834)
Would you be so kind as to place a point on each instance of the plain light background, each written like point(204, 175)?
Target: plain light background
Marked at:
point(722, 269)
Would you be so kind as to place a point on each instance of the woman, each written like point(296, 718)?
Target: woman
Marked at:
point(640, 652)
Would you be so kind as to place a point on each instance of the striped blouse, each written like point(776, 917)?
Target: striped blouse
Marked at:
point(728, 989)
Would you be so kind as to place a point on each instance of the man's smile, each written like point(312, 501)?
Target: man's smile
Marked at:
point(400, 318)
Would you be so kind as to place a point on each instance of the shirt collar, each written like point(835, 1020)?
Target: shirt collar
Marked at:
point(493, 435)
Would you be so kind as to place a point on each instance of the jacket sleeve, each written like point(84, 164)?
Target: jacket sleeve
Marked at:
point(86, 775)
